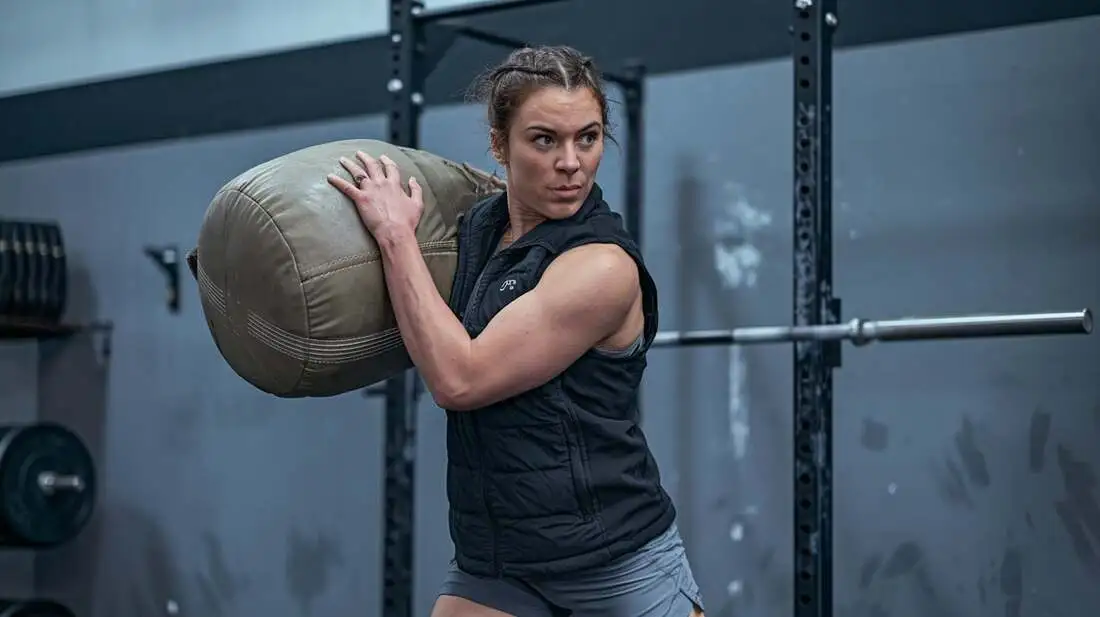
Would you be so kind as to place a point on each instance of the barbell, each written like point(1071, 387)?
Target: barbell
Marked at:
point(862, 332)
point(47, 485)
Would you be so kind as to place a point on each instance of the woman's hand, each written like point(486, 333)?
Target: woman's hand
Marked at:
point(378, 195)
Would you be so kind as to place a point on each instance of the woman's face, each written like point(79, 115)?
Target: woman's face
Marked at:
point(553, 151)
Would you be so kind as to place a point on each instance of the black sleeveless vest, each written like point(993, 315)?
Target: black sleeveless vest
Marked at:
point(558, 478)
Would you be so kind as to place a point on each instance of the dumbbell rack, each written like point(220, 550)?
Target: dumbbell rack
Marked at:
point(71, 370)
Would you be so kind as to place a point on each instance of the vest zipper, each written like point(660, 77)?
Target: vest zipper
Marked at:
point(476, 295)
point(581, 470)
point(474, 298)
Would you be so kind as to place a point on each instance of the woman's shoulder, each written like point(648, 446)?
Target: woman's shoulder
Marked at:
point(600, 259)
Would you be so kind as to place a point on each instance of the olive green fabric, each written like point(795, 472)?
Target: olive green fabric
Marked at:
point(290, 281)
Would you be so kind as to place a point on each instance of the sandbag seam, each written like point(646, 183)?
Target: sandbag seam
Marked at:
point(213, 293)
point(368, 258)
point(297, 270)
point(441, 247)
point(305, 349)
point(322, 351)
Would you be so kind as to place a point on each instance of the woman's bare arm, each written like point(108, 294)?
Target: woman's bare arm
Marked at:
point(583, 297)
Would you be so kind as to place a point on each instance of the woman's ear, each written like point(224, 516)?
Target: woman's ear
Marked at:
point(499, 146)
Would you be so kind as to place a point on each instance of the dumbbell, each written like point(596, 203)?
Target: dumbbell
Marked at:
point(47, 485)
point(33, 608)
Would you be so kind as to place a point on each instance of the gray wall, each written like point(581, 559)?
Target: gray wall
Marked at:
point(965, 183)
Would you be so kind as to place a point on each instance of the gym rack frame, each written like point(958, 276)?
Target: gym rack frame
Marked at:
point(814, 305)
point(419, 38)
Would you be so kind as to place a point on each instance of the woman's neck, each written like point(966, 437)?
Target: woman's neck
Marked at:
point(520, 221)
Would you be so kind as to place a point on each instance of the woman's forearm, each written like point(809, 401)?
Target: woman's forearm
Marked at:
point(436, 341)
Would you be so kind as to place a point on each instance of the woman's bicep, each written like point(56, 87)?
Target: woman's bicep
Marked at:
point(581, 299)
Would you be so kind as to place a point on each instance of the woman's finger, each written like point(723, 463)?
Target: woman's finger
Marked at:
point(347, 188)
point(357, 173)
point(393, 173)
point(415, 192)
point(374, 169)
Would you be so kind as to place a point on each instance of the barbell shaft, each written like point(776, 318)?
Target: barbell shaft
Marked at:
point(980, 326)
point(891, 330)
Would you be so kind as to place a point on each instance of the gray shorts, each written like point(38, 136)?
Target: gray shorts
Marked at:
point(654, 581)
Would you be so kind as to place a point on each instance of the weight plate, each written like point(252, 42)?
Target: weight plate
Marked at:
point(17, 302)
point(7, 267)
point(26, 283)
point(55, 284)
point(60, 286)
point(34, 608)
point(31, 515)
point(36, 260)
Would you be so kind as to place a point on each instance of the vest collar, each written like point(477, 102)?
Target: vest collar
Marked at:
point(494, 216)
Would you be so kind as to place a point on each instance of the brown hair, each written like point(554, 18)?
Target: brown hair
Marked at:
point(505, 87)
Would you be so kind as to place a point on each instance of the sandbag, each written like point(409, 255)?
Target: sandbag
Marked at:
point(290, 281)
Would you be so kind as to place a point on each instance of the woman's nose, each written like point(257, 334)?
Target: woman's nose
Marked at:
point(569, 163)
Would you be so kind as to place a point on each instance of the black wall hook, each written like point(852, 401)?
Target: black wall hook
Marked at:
point(167, 259)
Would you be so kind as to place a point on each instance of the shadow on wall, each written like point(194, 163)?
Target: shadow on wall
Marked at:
point(906, 579)
point(311, 562)
point(879, 586)
point(142, 576)
point(724, 484)
point(145, 578)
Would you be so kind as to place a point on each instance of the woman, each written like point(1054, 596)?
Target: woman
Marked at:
point(556, 504)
